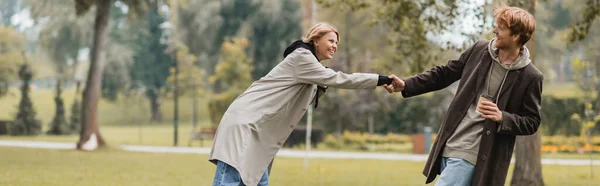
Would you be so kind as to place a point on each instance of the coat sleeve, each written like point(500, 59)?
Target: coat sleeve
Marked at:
point(527, 120)
point(308, 70)
point(438, 77)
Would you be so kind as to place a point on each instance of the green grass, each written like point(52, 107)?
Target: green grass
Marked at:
point(159, 135)
point(562, 90)
point(162, 135)
point(124, 111)
point(23, 166)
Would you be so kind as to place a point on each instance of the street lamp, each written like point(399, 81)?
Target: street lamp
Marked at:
point(168, 31)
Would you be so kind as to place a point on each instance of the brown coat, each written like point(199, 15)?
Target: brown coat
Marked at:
point(520, 101)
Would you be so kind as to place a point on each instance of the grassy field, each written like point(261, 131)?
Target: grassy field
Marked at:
point(125, 122)
point(22, 166)
point(563, 90)
point(124, 111)
point(157, 135)
point(162, 135)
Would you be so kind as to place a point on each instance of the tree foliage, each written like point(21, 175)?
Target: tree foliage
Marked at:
point(410, 23)
point(233, 74)
point(11, 46)
point(25, 123)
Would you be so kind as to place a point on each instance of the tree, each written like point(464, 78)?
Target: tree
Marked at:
point(61, 36)
point(191, 76)
point(410, 22)
point(59, 125)
point(274, 26)
point(195, 23)
point(588, 71)
point(590, 13)
point(586, 74)
point(25, 123)
point(75, 119)
point(123, 43)
point(152, 64)
point(234, 72)
point(233, 14)
point(91, 92)
point(11, 45)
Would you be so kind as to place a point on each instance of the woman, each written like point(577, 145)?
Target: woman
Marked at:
point(258, 122)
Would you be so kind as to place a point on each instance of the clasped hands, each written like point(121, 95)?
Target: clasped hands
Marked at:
point(396, 86)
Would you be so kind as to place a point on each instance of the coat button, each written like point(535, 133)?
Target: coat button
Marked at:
point(484, 158)
point(291, 126)
point(279, 143)
point(488, 132)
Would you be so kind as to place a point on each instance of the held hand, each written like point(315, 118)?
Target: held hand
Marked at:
point(396, 86)
point(489, 110)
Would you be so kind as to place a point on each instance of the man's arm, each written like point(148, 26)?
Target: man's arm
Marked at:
point(436, 78)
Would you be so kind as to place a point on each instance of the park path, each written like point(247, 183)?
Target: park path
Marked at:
point(281, 153)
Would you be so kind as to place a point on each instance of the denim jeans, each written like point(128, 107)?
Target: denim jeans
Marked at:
point(226, 175)
point(455, 172)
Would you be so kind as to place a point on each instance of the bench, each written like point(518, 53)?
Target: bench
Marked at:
point(201, 135)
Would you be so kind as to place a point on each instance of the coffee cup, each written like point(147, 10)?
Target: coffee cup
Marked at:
point(481, 98)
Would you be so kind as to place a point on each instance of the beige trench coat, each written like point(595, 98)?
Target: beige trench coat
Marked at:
point(258, 122)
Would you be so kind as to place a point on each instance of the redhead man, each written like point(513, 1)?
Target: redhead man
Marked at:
point(498, 98)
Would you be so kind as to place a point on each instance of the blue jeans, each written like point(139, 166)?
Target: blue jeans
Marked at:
point(226, 175)
point(455, 172)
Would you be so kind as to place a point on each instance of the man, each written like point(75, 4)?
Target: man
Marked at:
point(475, 142)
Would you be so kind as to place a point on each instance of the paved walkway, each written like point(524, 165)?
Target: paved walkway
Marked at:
point(281, 153)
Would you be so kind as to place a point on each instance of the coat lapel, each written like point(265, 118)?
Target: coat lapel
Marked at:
point(511, 78)
point(483, 69)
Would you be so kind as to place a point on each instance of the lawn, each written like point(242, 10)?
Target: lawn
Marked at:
point(123, 111)
point(157, 135)
point(162, 135)
point(563, 90)
point(23, 166)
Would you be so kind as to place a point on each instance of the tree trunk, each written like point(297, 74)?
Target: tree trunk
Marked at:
point(59, 123)
point(528, 160)
point(91, 93)
point(156, 114)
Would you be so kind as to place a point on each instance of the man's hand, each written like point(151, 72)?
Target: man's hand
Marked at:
point(396, 86)
point(489, 110)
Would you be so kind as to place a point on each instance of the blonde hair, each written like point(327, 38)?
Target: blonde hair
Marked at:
point(318, 31)
point(517, 20)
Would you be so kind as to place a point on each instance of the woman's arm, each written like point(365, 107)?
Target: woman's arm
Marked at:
point(308, 70)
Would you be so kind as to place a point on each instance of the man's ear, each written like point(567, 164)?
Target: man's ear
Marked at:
point(516, 37)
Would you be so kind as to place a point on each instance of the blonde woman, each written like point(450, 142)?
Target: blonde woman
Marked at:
point(258, 122)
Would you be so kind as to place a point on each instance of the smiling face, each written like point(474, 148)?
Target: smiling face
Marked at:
point(326, 46)
point(514, 27)
point(504, 38)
